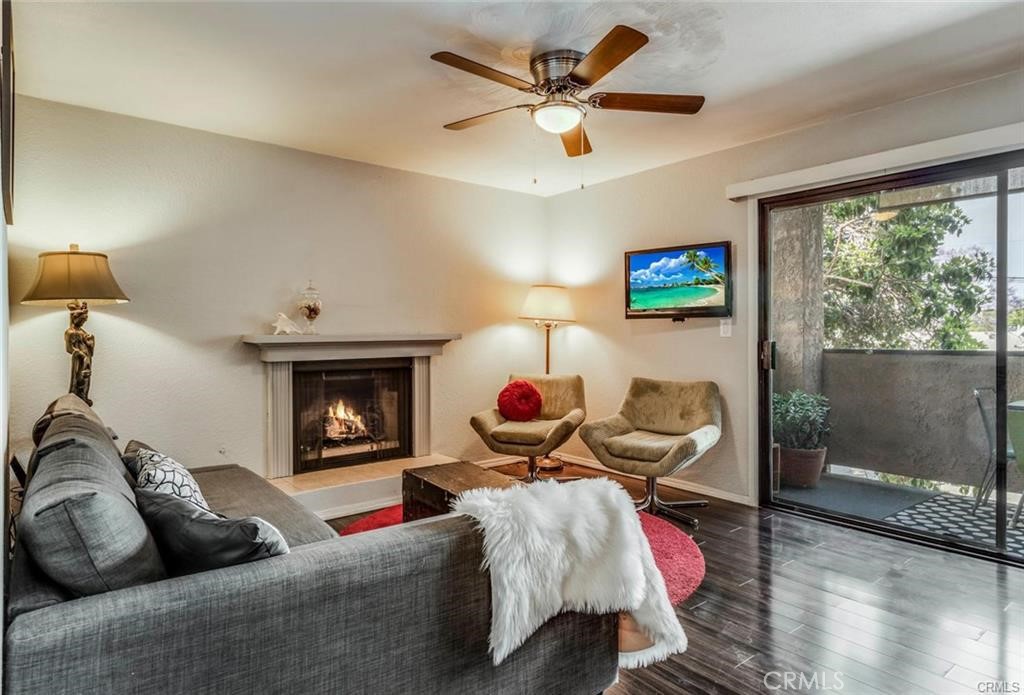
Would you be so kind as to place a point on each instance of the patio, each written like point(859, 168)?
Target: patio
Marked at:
point(943, 514)
point(908, 444)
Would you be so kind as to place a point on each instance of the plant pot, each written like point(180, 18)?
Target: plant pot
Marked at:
point(801, 467)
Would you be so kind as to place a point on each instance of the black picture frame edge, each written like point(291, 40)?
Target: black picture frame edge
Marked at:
point(724, 311)
point(7, 99)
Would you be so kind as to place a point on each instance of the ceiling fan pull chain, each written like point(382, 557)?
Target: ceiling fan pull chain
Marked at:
point(533, 146)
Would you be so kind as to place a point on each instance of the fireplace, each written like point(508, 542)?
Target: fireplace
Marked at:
point(349, 412)
point(287, 358)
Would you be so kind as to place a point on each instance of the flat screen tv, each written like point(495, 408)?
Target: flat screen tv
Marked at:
point(679, 282)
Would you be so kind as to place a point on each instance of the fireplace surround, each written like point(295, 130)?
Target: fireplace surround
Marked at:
point(289, 359)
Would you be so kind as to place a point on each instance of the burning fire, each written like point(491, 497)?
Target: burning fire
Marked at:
point(342, 419)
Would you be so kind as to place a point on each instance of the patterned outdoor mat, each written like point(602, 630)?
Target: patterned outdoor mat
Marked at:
point(950, 515)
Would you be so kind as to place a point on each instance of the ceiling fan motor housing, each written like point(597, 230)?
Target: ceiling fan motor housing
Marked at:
point(551, 67)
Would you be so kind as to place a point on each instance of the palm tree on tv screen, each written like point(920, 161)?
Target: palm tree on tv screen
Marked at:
point(701, 262)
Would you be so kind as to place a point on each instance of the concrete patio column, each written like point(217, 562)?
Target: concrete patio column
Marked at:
point(797, 301)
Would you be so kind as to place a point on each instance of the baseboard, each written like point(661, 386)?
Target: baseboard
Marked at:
point(684, 485)
point(498, 461)
point(674, 483)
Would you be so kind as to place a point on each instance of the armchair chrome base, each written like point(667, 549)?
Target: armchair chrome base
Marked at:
point(653, 505)
point(532, 473)
point(550, 463)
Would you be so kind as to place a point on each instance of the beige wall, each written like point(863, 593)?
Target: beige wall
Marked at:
point(211, 236)
point(685, 202)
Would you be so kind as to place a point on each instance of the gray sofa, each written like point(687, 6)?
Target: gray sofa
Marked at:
point(404, 609)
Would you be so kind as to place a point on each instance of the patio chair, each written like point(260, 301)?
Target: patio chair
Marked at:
point(985, 396)
point(1015, 433)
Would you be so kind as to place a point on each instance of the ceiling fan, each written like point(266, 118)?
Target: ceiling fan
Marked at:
point(561, 76)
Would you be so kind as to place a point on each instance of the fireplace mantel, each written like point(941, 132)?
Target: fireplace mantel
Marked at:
point(304, 348)
point(280, 352)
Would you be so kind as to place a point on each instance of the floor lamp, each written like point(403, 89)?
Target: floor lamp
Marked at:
point(76, 279)
point(547, 306)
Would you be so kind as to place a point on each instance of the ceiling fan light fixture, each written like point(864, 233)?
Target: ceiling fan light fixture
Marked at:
point(558, 116)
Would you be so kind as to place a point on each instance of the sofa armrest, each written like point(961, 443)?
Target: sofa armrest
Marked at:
point(401, 609)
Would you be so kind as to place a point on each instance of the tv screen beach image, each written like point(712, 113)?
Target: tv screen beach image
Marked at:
point(677, 279)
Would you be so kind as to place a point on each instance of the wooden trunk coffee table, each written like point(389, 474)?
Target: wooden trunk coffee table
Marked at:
point(429, 491)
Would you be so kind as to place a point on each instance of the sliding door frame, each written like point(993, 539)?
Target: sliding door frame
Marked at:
point(994, 166)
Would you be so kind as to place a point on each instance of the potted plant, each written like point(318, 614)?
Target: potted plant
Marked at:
point(799, 427)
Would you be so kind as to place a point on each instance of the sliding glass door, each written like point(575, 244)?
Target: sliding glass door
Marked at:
point(892, 328)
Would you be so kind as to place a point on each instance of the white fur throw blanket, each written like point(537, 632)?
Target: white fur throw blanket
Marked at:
point(572, 546)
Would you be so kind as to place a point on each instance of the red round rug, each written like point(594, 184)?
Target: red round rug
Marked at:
point(676, 555)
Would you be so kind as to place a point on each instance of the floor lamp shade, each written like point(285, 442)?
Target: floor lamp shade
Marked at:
point(548, 306)
point(548, 303)
point(73, 275)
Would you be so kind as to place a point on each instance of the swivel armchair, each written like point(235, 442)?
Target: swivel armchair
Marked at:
point(563, 409)
point(662, 427)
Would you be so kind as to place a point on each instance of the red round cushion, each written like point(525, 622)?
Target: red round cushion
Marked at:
point(519, 400)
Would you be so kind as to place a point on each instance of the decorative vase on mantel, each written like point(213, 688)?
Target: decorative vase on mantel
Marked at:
point(309, 307)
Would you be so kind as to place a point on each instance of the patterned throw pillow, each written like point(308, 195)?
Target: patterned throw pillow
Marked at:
point(161, 473)
point(130, 457)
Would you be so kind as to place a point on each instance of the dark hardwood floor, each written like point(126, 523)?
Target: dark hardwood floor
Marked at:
point(795, 605)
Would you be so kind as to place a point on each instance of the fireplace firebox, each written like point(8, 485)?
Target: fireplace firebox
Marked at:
point(351, 411)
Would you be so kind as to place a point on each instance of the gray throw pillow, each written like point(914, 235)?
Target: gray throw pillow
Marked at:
point(130, 457)
point(79, 520)
point(161, 473)
point(192, 539)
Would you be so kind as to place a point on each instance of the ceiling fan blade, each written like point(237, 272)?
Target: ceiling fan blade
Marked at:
point(576, 142)
point(456, 61)
point(482, 118)
point(653, 103)
point(619, 44)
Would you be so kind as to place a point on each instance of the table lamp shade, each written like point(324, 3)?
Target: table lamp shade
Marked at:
point(64, 276)
point(548, 303)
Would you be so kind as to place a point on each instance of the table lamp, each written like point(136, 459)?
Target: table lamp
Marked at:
point(74, 278)
point(547, 306)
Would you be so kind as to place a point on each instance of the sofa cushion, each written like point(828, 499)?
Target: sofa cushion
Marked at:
point(68, 404)
point(237, 492)
point(528, 433)
point(641, 445)
point(78, 520)
point(160, 473)
point(192, 539)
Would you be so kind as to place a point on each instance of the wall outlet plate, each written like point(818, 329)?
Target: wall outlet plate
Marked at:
point(725, 328)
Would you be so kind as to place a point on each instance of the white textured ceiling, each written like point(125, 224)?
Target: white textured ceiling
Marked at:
point(354, 80)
